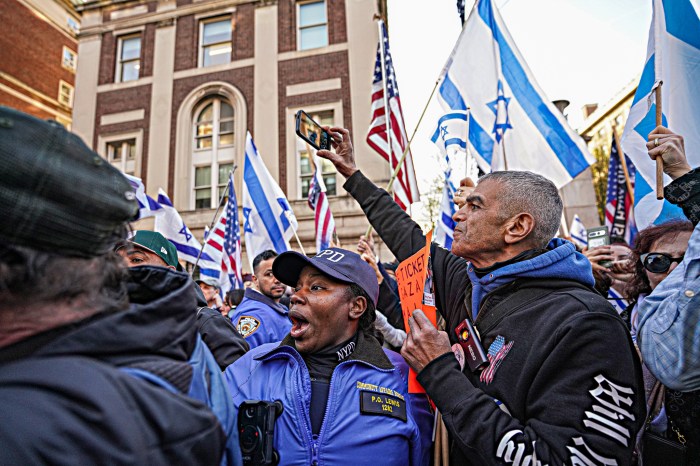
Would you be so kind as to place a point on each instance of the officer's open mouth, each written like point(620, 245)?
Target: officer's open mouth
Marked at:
point(299, 325)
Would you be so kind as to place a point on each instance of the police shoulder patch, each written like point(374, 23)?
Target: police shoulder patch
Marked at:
point(247, 325)
point(382, 404)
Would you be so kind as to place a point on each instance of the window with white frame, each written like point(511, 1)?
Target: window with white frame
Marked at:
point(215, 41)
point(121, 153)
point(128, 58)
point(65, 93)
point(213, 150)
point(312, 23)
point(306, 163)
point(70, 59)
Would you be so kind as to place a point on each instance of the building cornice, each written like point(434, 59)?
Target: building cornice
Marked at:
point(601, 113)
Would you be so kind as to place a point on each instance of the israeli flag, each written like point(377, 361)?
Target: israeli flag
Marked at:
point(673, 57)
point(512, 124)
point(268, 220)
point(578, 234)
point(147, 206)
point(169, 223)
point(450, 136)
point(445, 227)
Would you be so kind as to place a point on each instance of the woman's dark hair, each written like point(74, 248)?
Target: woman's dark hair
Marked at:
point(367, 319)
point(235, 296)
point(643, 243)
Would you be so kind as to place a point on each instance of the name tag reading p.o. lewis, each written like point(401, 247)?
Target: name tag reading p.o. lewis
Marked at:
point(382, 404)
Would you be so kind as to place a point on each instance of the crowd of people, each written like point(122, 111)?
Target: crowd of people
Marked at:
point(110, 353)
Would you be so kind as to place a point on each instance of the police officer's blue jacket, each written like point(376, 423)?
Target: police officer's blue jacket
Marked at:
point(368, 420)
point(261, 320)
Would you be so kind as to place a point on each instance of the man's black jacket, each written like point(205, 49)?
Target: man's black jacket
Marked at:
point(564, 385)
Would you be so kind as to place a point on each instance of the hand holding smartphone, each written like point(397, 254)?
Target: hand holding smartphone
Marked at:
point(311, 132)
point(599, 236)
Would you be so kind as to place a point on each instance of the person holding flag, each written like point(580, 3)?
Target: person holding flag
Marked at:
point(542, 327)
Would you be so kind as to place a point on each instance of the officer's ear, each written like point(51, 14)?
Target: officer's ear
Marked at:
point(358, 306)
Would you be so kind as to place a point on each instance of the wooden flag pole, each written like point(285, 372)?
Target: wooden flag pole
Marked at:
point(659, 159)
point(408, 147)
point(623, 161)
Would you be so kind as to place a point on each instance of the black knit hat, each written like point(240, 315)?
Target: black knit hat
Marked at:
point(56, 194)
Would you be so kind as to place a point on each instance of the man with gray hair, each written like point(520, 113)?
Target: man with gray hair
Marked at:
point(541, 369)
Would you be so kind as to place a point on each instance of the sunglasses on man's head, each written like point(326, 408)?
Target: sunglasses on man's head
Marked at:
point(658, 262)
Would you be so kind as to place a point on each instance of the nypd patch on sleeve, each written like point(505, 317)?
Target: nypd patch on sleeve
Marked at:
point(247, 325)
point(382, 404)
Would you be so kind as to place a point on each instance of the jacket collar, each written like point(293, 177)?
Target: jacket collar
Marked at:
point(261, 298)
point(368, 350)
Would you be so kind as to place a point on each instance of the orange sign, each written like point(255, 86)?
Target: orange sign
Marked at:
point(415, 278)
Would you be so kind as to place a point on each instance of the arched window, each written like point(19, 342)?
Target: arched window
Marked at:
point(213, 150)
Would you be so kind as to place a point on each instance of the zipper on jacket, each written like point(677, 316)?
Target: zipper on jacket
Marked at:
point(314, 450)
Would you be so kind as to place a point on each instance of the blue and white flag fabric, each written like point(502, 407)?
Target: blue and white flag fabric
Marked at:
point(169, 223)
point(450, 136)
point(617, 300)
point(445, 227)
point(619, 211)
point(147, 206)
point(512, 124)
point(578, 232)
point(673, 57)
point(268, 220)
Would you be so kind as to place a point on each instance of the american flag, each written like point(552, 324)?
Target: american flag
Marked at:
point(619, 207)
point(405, 187)
point(497, 353)
point(223, 245)
point(232, 237)
point(318, 202)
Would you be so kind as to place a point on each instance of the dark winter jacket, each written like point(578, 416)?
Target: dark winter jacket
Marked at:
point(64, 401)
point(219, 333)
point(563, 385)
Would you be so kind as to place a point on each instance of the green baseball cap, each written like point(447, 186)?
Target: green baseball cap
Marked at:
point(158, 245)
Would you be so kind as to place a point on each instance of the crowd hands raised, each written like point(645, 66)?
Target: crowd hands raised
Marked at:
point(106, 364)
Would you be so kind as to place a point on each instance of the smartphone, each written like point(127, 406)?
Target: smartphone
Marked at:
point(312, 132)
point(599, 236)
point(256, 428)
point(469, 341)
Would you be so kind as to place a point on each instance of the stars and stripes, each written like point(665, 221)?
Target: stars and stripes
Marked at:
point(391, 148)
point(323, 218)
point(497, 353)
point(232, 237)
point(619, 205)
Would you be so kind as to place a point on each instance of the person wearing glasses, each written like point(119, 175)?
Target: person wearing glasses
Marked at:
point(668, 318)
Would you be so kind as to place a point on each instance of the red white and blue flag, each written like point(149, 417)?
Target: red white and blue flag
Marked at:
point(391, 148)
point(223, 245)
point(497, 353)
point(619, 203)
point(323, 218)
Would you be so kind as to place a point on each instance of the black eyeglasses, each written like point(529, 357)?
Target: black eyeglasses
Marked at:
point(658, 262)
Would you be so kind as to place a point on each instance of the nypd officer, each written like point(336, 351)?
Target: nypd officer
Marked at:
point(345, 399)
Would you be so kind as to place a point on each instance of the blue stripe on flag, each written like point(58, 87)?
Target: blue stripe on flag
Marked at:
point(447, 116)
point(447, 220)
point(648, 123)
point(456, 142)
point(164, 200)
point(257, 195)
point(481, 140)
point(646, 82)
point(568, 153)
point(214, 273)
point(579, 239)
point(450, 94)
point(190, 251)
point(682, 21)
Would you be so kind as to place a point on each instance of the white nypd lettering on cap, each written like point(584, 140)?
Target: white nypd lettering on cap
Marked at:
point(333, 256)
point(162, 249)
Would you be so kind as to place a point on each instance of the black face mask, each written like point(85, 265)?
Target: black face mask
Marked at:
point(658, 262)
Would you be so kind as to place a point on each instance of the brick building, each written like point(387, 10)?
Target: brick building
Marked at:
point(167, 89)
point(39, 46)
